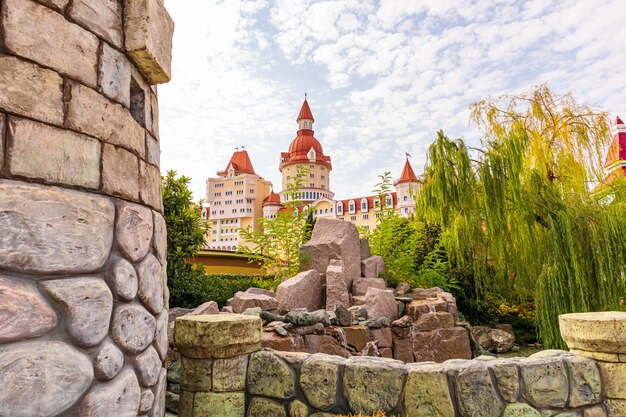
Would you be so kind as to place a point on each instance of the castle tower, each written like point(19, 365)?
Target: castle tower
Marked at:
point(406, 187)
point(235, 198)
point(616, 158)
point(271, 205)
point(306, 151)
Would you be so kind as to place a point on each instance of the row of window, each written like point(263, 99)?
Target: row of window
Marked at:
point(234, 211)
point(364, 205)
point(310, 195)
point(227, 221)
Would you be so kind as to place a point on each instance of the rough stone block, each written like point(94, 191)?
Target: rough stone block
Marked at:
point(614, 379)
point(159, 242)
point(596, 411)
point(120, 172)
point(356, 336)
point(441, 345)
point(263, 407)
point(2, 140)
point(426, 392)
point(120, 397)
point(585, 385)
point(319, 380)
point(196, 374)
point(361, 285)
point(371, 385)
point(91, 113)
point(53, 41)
point(55, 4)
point(42, 378)
point(149, 30)
point(545, 382)
point(214, 404)
point(270, 376)
point(242, 301)
point(324, 343)
point(154, 111)
point(114, 75)
point(102, 17)
point(88, 304)
point(229, 374)
point(595, 332)
point(30, 90)
point(25, 313)
point(302, 291)
point(524, 410)
point(54, 155)
point(336, 289)
point(290, 343)
point(153, 151)
point(333, 239)
point(475, 391)
point(217, 336)
point(372, 267)
point(366, 252)
point(148, 367)
point(382, 336)
point(298, 409)
point(507, 379)
point(380, 303)
point(150, 186)
point(433, 321)
point(68, 231)
point(617, 408)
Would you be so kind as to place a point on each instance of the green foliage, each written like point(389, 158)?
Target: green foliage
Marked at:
point(308, 226)
point(185, 236)
point(277, 246)
point(199, 287)
point(521, 216)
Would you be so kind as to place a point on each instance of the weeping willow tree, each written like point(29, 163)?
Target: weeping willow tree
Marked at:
point(519, 209)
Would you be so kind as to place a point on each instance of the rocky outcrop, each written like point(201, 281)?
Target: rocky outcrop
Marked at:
point(336, 288)
point(302, 291)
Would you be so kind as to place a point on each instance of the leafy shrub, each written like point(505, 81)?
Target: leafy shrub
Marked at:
point(522, 318)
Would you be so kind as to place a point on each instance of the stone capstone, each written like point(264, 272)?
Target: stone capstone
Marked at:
point(302, 291)
point(319, 380)
point(595, 332)
point(68, 231)
point(25, 313)
point(217, 336)
point(270, 376)
point(133, 328)
point(264, 407)
point(371, 385)
point(108, 362)
point(119, 397)
point(545, 382)
point(42, 378)
point(122, 278)
point(229, 374)
point(150, 275)
point(426, 392)
point(148, 366)
point(336, 289)
point(242, 301)
point(333, 239)
point(216, 404)
point(372, 267)
point(475, 392)
point(88, 303)
point(134, 229)
point(380, 303)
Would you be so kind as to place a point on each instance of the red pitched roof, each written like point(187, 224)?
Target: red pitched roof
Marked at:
point(272, 200)
point(305, 112)
point(240, 161)
point(370, 202)
point(617, 151)
point(407, 174)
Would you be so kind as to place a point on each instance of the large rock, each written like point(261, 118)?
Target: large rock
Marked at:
point(120, 397)
point(134, 228)
point(365, 248)
point(426, 392)
point(475, 391)
point(323, 343)
point(336, 289)
point(229, 374)
point(25, 313)
point(270, 376)
point(434, 321)
point(441, 345)
point(148, 366)
point(545, 382)
point(290, 343)
point(380, 303)
point(245, 300)
point(133, 328)
point(53, 230)
point(42, 378)
point(122, 278)
point(371, 385)
point(361, 285)
point(88, 303)
point(151, 284)
point(585, 384)
point(108, 362)
point(333, 239)
point(507, 379)
point(493, 340)
point(319, 379)
point(302, 291)
point(372, 267)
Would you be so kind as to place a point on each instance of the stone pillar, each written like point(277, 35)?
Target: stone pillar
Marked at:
point(214, 359)
point(83, 292)
point(602, 337)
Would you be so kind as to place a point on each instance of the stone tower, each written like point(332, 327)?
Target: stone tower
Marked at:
point(307, 151)
point(83, 292)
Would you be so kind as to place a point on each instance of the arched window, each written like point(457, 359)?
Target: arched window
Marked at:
point(340, 207)
point(389, 201)
point(351, 206)
point(406, 198)
point(364, 204)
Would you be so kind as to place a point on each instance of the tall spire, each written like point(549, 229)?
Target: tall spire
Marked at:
point(408, 175)
point(305, 115)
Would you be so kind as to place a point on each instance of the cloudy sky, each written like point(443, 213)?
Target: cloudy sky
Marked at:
point(381, 76)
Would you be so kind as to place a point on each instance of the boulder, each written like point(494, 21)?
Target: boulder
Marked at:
point(365, 248)
point(210, 307)
point(304, 318)
point(493, 340)
point(261, 291)
point(291, 343)
point(372, 267)
point(323, 343)
point(333, 239)
point(360, 285)
point(441, 345)
point(380, 303)
point(244, 300)
point(336, 290)
point(302, 291)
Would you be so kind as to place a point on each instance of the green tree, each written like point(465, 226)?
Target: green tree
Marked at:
point(277, 245)
point(186, 233)
point(519, 213)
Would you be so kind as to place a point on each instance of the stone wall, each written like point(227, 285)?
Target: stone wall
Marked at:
point(83, 292)
point(223, 379)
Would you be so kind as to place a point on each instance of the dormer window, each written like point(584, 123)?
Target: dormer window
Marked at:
point(311, 155)
point(340, 208)
point(351, 206)
point(364, 204)
point(389, 202)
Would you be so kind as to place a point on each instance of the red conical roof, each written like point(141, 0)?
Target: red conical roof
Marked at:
point(272, 200)
point(618, 121)
point(408, 175)
point(240, 161)
point(305, 112)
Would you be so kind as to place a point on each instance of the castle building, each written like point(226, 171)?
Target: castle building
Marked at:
point(616, 157)
point(235, 200)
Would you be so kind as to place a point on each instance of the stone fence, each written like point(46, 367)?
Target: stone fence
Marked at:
point(225, 373)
